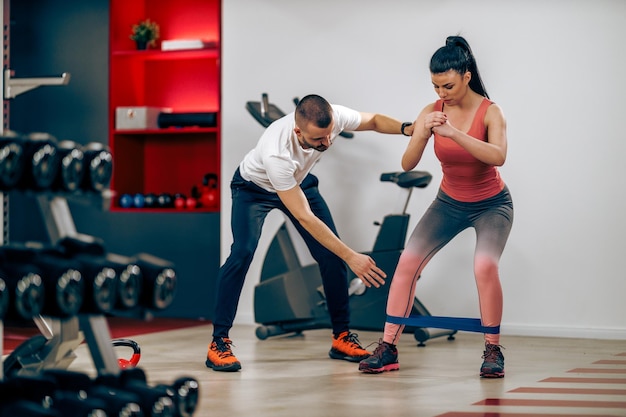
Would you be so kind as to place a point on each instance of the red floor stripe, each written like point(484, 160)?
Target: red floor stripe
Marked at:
point(587, 380)
point(595, 391)
point(552, 403)
point(497, 414)
point(621, 354)
point(597, 371)
point(610, 362)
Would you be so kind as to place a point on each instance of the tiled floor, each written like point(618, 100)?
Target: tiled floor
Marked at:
point(291, 376)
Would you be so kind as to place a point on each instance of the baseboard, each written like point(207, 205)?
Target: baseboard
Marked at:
point(566, 332)
point(509, 329)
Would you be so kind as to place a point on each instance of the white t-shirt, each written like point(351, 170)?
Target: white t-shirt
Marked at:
point(278, 162)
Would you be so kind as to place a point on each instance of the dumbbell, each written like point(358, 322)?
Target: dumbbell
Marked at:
point(71, 168)
point(62, 280)
point(28, 394)
point(128, 274)
point(155, 401)
point(4, 298)
point(129, 280)
point(12, 159)
point(159, 281)
point(71, 397)
point(24, 289)
point(99, 275)
point(98, 167)
point(41, 161)
point(113, 402)
point(24, 408)
point(186, 395)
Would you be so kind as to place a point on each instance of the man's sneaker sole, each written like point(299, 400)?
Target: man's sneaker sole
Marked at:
point(233, 367)
point(386, 368)
point(492, 374)
point(335, 354)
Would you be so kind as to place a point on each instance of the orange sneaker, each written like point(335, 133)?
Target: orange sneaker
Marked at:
point(220, 356)
point(346, 346)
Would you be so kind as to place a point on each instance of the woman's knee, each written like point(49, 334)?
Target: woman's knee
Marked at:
point(486, 269)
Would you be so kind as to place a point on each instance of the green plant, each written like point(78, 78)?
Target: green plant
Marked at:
point(145, 31)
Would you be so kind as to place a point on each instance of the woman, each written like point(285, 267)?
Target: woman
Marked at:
point(470, 139)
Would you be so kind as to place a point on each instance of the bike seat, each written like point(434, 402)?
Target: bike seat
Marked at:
point(263, 111)
point(419, 179)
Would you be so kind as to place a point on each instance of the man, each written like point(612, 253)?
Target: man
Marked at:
point(275, 174)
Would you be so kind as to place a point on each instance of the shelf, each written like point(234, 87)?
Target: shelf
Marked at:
point(167, 131)
point(174, 159)
point(157, 55)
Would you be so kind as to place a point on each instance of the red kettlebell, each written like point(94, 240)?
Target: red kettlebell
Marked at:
point(134, 360)
point(180, 201)
point(209, 196)
point(191, 203)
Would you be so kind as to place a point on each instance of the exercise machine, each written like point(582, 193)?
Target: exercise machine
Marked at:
point(290, 297)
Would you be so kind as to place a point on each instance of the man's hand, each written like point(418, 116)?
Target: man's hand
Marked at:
point(365, 268)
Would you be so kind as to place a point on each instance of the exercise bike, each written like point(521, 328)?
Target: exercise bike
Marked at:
point(290, 297)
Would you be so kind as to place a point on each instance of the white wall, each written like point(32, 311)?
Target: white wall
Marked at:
point(556, 67)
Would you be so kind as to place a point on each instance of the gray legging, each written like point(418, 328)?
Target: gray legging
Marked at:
point(492, 219)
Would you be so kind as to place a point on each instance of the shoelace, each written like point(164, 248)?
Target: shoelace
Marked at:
point(353, 339)
point(378, 352)
point(492, 353)
point(222, 348)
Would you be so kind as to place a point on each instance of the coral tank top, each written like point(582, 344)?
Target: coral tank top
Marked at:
point(465, 178)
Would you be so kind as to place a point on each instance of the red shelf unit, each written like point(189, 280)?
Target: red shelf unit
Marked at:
point(168, 160)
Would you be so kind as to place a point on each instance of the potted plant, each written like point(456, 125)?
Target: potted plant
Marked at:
point(145, 33)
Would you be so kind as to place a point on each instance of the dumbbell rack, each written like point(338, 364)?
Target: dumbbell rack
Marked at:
point(63, 336)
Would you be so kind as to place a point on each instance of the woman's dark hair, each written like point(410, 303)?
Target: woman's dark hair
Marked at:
point(457, 55)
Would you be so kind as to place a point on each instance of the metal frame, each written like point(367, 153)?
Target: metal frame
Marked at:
point(63, 335)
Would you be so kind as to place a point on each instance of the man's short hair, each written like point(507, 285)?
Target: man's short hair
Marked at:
point(314, 109)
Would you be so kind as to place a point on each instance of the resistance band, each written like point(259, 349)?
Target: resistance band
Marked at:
point(452, 323)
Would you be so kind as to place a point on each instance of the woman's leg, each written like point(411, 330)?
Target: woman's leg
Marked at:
point(434, 230)
point(492, 231)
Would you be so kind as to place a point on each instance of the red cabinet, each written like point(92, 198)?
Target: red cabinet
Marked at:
point(152, 159)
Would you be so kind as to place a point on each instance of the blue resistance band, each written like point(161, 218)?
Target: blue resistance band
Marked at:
point(452, 323)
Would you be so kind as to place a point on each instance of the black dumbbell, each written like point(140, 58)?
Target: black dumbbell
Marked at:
point(129, 275)
point(98, 167)
point(25, 290)
point(12, 159)
point(71, 167)
point(41, 161)
point(62, 280)
point(70, 397)
point(186, 395)
point(119, 402)
point(4, 298)
point(156, 401)
point(159, 281)
point(24, 408)
point(98, 274)
point(129, 280)
point(33, 388)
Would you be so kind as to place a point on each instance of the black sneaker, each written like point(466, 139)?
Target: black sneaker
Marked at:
point(384, 358)
point(493, 366)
